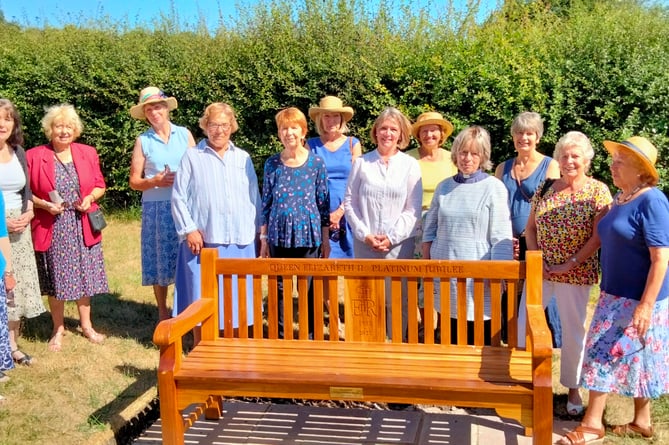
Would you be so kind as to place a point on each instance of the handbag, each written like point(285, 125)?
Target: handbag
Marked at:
point(97, 220)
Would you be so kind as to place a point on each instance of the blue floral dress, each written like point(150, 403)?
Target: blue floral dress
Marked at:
point(295, 202)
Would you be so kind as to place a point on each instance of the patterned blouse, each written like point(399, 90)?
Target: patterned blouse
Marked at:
point(295, 202)
point(565, 223)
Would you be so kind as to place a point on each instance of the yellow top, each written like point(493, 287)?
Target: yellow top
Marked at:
point(433, 173)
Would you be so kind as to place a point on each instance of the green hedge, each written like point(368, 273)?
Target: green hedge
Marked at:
point(598, 67)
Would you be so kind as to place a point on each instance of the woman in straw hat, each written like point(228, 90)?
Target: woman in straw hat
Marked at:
point(155, 158)
point(431, 131)
point(338, 151)
point(626, 347)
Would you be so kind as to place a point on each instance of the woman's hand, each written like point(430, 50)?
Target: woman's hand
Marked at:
point(10, 281)
point(378, 243)
point(85, 204)
point(641, 318)
point(55, 209)
point(195, 242)
point(335, 218)
point(20, 223)
point(164, 179)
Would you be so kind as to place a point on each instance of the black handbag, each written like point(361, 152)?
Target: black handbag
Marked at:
point(97, 220)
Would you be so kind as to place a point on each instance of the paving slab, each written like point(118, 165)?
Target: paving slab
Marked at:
point(262, 423)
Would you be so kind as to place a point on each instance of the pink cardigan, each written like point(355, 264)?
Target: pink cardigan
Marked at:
point(42, 172)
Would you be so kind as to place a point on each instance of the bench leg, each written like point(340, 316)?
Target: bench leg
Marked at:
point(214, 409)
point(170, 416)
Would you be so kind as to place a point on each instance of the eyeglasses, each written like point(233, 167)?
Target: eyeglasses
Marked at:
point(63, 127)
point(214, 126)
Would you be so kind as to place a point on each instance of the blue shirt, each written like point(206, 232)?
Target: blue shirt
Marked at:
point(157, 154)
point(295, 202)
point(218, 196)
point(626, 233)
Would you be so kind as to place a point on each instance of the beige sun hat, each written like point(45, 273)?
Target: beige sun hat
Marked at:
point(432, 118)
point(331, 104)
point(639, 147)
point(151, 95)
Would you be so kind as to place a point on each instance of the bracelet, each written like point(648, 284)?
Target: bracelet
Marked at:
point(263, 236)
point(9, 273)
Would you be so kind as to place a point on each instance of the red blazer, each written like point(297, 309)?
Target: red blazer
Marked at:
point(42, 172)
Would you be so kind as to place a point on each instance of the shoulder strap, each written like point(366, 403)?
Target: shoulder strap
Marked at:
point(547, 184)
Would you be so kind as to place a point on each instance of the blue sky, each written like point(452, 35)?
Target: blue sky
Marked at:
point(37, 13)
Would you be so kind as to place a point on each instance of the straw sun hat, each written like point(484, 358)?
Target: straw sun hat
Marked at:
point(432, 118)
point(639, 147)
point(151, 95)
point(331, 104)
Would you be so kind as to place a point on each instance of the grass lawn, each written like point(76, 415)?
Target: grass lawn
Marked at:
point(72, 396)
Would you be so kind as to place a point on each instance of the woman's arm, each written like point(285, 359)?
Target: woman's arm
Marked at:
point(659, 257)
point(137, 180)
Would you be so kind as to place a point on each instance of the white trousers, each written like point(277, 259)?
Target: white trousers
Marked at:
point(572, 303)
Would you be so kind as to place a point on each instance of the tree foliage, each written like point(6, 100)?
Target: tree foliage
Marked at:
point(591, 65)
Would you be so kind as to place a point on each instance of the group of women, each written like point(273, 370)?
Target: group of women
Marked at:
point(322, 197)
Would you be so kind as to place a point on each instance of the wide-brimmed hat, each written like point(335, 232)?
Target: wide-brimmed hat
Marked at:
point(432, 118)
point(331, 104)
point(151, 95)
point(639, 147)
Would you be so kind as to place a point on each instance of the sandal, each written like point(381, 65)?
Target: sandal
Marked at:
point(3, 377)
point(23, 359)
point(577, 436)
point(93, 336)
point(56, 342)
point(632, 429)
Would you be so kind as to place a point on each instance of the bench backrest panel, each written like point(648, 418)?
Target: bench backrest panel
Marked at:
point(361, 287)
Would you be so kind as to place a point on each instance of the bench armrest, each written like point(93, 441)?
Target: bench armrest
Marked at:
point(540, 336)
point(171, 330)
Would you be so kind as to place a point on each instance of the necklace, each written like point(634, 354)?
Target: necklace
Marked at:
point(620, 200)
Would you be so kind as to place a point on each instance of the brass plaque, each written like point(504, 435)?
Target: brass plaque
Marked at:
point(340, 392)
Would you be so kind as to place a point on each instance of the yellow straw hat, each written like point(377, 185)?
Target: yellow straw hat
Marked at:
point(639, 147)
point(151, 95)
point(331, 104)
point(432, 118)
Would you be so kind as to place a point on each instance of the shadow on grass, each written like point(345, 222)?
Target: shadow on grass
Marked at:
point(111, 315)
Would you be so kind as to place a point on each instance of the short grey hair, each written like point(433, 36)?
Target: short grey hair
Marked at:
point(528, 121)
point(481, 139)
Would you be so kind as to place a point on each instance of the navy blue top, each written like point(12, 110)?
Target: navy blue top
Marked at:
point(295, 202)
point(521, 193)
point(626, 233)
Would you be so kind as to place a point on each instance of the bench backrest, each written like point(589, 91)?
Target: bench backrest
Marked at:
point(364, 285)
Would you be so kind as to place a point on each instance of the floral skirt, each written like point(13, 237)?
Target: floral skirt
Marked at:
point(615, 361)
point(27, 296)
point(160, 244)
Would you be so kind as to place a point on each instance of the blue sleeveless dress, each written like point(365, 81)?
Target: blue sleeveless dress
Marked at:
point(520, 195)
point(338, 165)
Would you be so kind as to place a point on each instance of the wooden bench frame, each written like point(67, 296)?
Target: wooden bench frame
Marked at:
point(366, 366)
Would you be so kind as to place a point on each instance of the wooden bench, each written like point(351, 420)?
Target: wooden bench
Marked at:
point(365, 366)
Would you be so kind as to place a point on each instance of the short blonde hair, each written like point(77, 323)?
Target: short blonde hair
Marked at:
point(392, 113)
point(291, 115)
point(481, 139)
point(65, 113)
point(318, 123)
point(528, 121)
point(575, 139)
point(215, 109)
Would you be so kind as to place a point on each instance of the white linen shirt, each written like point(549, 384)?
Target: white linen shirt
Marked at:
point(218, 196)
point(384, 198)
